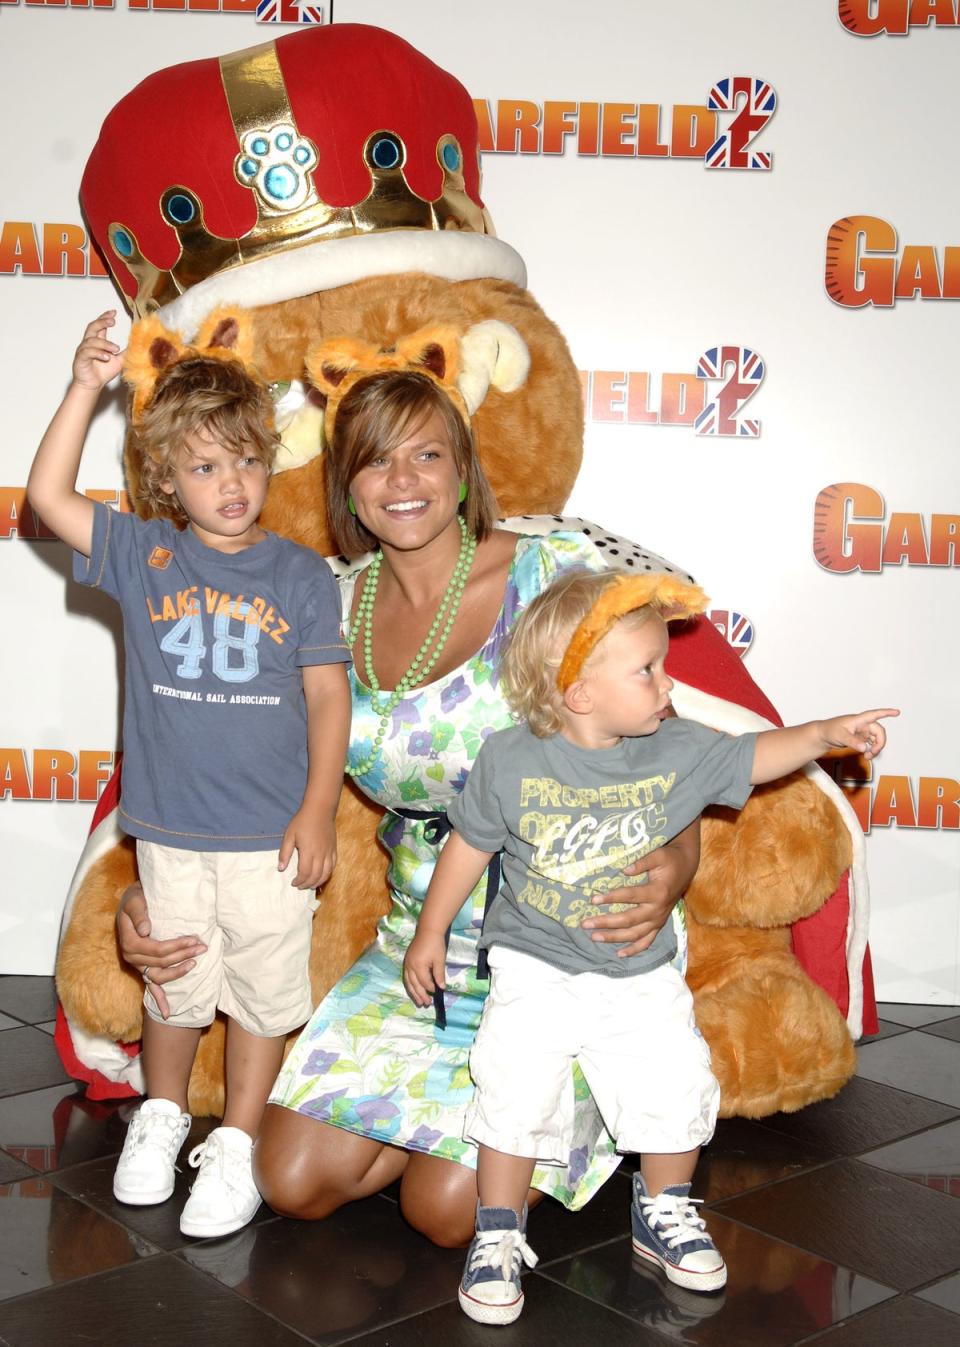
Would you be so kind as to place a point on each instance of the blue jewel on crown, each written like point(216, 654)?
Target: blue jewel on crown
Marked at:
point(275, 164)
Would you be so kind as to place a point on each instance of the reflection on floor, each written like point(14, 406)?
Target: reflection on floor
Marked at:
point(840, 1225)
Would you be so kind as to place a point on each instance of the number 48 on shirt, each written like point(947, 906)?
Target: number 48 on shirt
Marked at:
point(187, 639)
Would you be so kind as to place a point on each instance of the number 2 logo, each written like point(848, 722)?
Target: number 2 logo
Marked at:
point(186, 639)
point(758, 100)
point(720, 416)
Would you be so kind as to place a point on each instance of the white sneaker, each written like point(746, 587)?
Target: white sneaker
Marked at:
point(224, 1196)
point(145, 1170)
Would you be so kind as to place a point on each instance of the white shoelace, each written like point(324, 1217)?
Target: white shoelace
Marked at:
point(675, 1216)
point(162, 1131)
point(501, 1249)
point(217, 1161)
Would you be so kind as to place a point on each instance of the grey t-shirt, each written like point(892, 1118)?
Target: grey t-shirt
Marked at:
point(569, 819)
point(215, 725)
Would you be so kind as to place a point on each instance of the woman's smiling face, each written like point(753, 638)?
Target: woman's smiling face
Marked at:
point(408, 495)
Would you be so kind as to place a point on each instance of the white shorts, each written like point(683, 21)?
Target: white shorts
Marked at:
point(635, 1039)
point(257, 928)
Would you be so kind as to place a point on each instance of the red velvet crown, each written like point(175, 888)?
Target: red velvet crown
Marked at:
point(330, 154)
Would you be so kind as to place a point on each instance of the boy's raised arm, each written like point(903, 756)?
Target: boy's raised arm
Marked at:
point(781, 751)
point(52, 484)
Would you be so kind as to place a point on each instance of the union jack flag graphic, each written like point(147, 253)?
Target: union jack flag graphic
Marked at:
point(731, 149)
point(736, 629)
point(719, 417)
point(288, 11)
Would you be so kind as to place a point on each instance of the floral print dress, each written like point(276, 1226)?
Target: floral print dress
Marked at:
point(369, 1060)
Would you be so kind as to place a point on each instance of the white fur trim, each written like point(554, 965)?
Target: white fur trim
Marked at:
point(99, 1053)
point(452, 255)
point(693, 704)
point(492, 353)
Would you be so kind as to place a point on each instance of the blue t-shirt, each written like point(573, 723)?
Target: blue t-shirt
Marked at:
point(570, 819)
point(215, 724)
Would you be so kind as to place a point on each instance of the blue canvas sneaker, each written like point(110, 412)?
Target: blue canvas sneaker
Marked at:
point(667, 1231)
point(490, 1290)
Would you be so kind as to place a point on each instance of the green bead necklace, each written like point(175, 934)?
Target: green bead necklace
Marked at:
point(436, 637)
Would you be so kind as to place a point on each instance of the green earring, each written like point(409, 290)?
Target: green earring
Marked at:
point(463, 492)
point(350, 505)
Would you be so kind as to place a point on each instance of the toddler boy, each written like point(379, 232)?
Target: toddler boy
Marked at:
point(595, 778)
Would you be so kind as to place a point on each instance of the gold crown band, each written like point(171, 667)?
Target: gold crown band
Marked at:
point(276, 163)
point(673, 600)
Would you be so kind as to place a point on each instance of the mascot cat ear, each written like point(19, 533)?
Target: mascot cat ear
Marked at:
point(466, 365)
point(335, 366)
point(329, 364)
point(150, 350)
point(226, 335)
point(435, 351)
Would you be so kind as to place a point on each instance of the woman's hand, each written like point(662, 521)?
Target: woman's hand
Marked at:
point(669, 870)
point(157, 961)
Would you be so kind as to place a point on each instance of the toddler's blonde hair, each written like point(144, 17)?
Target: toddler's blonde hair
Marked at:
point(536, 645)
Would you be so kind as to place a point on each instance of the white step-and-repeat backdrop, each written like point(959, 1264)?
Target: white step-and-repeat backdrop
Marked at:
point(746, 218)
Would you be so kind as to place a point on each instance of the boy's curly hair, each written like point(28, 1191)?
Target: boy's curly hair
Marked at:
point(535, 646)
point(217, 396)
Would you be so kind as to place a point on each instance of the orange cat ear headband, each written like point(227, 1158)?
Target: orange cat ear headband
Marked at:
point(337, 365)
point(226, 335)
point(466, 364)
point(672, 598)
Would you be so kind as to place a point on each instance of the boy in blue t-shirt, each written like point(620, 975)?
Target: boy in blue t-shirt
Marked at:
point(594, 778)
point(236, 718)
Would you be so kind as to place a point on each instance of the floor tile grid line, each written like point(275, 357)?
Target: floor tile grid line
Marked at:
point(163, 1254)
point(812, 1168)
point(183, 1255)
point(253, 1305)
point(814, 1253)
point(609, 1309)
point(86, 1276)
point(953, 1013)
point(863, 1160)
point(855, 1155)
point(51, 1173)
point(823, 1334)
point(35, 1089)
point(157, 1254)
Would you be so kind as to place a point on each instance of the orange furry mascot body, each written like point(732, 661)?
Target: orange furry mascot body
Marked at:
point(356, 215)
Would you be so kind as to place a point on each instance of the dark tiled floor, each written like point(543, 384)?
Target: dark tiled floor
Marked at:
point(840, 1225)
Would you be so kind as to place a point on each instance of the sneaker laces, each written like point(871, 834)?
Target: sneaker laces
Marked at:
point(675, 1216)
point(214, 1159)
point(501, 1249)
point(162, 1131)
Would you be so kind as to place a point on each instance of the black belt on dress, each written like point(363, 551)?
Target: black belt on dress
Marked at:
point(436, 825)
